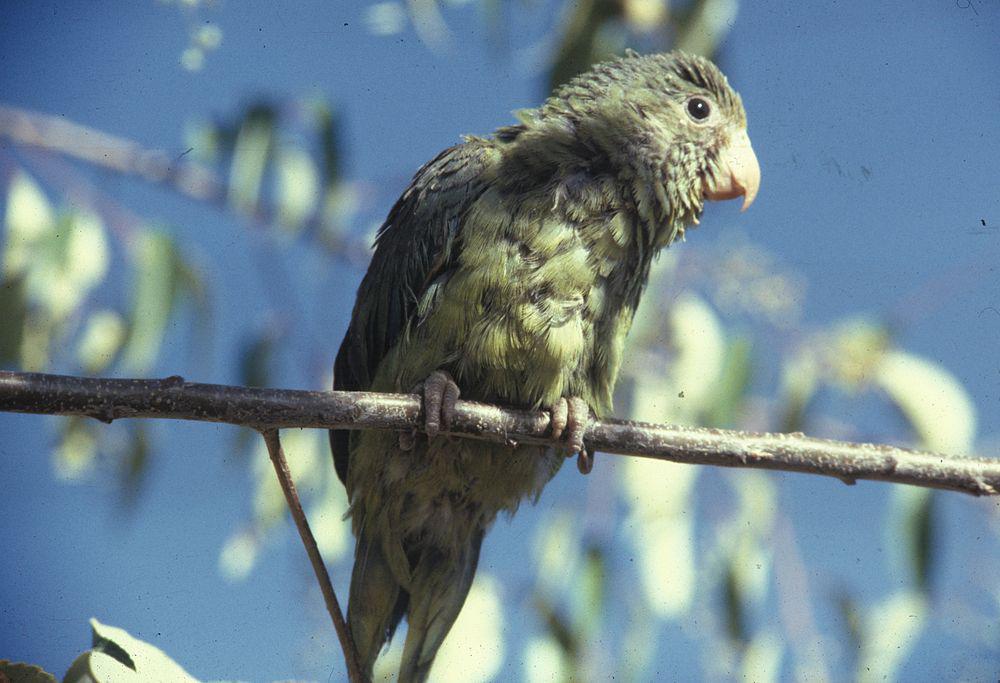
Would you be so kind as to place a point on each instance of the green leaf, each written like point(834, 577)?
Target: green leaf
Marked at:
point(386, 18)
point(854, 626)
point(102, 339)
point(588, 598)
point(36, 341)
point(892, 629)
point(558, 629)
point(744, 552)
point(733, 602)
point(933, 401)
point(203, 139)
point(800, 376)
point(474, 648)
point(238, 555)
point(13, 313)
point(857, 349)
point(255, 360)
point(697, 367)
point(731, 389)
point(687, 385)
point(67, 263)
point(154, 270)
point(193, 58)
point(135, 461)
point(639, 646)
point(86, 252)
point(250, 154)
point(298, 187)
point(208, 37)
point(119, 657)
point(544, 661)
point(308, 459)
point(387, 664)
point(329, 522)
point(582, 43)
point(305, 451)
point(29, 219)
point(77, 450)
point(911, 533)
point(340, 205)
point(190, 288)
point(328, 124)
point(557, 552)
point(60, 260)
point(924, 539)
point(705, 26)
point(762, 658)
point(661, 530)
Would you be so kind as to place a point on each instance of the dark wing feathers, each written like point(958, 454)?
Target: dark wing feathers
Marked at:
point(413, 247)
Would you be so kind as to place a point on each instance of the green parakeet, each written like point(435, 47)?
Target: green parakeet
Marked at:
point(509, 272)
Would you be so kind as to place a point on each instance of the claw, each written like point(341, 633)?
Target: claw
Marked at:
point(569, 418)
point(407, 440)
point(440, 393)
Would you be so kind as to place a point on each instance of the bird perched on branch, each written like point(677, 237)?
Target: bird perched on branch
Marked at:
point(509, 272)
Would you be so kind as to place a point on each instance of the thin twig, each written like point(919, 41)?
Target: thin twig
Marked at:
point(277, 454)
point(74, 140)
point(111, 399)
point(58, 135)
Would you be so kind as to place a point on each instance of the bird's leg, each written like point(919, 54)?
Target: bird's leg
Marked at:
point(570, 416)
point(440, 394)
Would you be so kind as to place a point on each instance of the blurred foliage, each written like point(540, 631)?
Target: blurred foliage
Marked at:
point(54, 266)
point(283, 163)
point(203, 36)
point(116, 657)
point(323, 497)
point(718, 341)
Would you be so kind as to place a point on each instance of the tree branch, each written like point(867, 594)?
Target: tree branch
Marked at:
point(58, 135)
point(277, 454)
point(263, 409)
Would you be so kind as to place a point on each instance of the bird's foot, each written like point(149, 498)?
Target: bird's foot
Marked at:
point(570, 418)
point(440, 393)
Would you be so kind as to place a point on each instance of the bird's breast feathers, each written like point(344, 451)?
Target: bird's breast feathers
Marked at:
point(533, 306)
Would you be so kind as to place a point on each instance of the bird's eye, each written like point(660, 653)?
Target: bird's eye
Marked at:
point(698, 108)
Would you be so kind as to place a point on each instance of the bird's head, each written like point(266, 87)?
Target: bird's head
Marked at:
point(669, 124)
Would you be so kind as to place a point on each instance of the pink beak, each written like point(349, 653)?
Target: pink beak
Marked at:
point(739, 172)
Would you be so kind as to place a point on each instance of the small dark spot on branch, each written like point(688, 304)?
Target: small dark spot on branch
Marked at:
point(105, 416)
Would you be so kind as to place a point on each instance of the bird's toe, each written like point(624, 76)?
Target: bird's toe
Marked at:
point(570, 418)
point(559, 413)
point(440, 393)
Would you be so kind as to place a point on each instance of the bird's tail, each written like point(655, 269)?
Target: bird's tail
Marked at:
point(377, 601)
point(439, 586)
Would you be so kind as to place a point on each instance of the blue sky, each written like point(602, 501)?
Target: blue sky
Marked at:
point(876, 126)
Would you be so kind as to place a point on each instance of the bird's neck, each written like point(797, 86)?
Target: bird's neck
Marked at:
point(544, 154)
